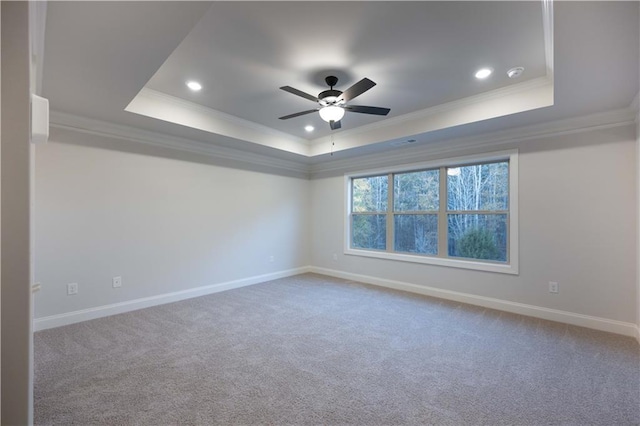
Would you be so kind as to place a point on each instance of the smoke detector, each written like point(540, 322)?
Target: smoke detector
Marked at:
point(515, 72)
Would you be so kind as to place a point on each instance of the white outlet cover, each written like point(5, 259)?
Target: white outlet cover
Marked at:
point(553, 287)
point(117, 282)
point(72, 288)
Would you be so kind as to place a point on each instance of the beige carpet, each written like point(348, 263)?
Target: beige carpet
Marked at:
point(317, 350)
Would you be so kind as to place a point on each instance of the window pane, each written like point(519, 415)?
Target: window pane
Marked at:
point(479, 187)
point(416, 191)
point(416, 233)
point(369, 231)
point(370, 194)
point(478, 236)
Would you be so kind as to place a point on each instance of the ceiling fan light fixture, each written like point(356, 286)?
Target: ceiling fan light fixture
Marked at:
point(332, 103)
point(331, 113)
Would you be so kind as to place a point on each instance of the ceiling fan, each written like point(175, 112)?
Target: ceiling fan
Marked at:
point(333, 103)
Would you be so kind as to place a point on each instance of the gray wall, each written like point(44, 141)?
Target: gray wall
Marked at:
point(577, 226)
point(16, 151)
point(163, 224)
point(166, 225)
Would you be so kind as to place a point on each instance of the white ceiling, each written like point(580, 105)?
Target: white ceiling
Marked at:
point(422, 54)
point(99, 57)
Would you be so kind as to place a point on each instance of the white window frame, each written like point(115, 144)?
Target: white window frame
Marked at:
point(511, 267)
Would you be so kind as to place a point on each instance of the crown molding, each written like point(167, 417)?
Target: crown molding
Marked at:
point(89, 126)
point(635, 103)
point(547, 28)
point(518, 97)
point(449, 112)
point(160, 106)
point(534, 93)
point(426, 113)
point(419, 152)
point(37, 27)
point(164, 98)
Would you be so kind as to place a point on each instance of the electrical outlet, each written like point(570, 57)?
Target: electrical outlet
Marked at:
point(335, 256)
point(271, 259)
point(117, 282)
point(554, 287)
point(72, 288)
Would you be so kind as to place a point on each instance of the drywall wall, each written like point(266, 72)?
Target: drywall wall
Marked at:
point(577, 227)
point(16, 158)
point(637, 105)
point(163, 224)
point(0, 219)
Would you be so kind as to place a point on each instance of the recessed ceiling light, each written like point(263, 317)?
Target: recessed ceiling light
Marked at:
point(194, 85)
point(483, 73)
point(309, 128)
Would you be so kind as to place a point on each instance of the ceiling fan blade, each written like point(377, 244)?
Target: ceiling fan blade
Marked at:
point(356, 90)
point(298, 114)
point(367, 109)
point(335, 125)
point(299, 93)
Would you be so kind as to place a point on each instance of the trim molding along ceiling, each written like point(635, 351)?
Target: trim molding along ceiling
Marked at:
point(168, 108)
point(534, 94)
point(488, 141)
point(38, 25)
point(62, 122)
point(87, 126)
point(526, 96)
point(547, 24)
point(530, 95)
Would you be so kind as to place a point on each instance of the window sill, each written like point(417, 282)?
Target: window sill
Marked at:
point(501, 268)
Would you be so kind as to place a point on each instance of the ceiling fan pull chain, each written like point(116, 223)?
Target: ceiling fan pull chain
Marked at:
point(332, 144)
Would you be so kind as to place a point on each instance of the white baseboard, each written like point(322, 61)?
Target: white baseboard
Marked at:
point(597, 323)
point(146, 302)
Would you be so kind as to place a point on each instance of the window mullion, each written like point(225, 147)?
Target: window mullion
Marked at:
point(442, 214)
point(390, 230)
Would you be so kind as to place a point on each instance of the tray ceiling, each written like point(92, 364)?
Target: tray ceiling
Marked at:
point(127, 63)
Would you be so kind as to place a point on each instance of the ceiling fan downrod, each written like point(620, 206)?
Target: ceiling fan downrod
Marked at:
point(331, 94)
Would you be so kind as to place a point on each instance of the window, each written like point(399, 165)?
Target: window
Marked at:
point(461, 213)
point(415, 211)
point(369, 212)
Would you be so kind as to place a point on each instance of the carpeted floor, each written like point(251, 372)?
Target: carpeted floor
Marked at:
point(316, 350)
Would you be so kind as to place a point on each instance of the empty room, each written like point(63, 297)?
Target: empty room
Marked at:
point(304, 213)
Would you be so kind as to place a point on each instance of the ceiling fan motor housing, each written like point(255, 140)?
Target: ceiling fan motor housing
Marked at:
point(331, 94)
point(328, 97)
